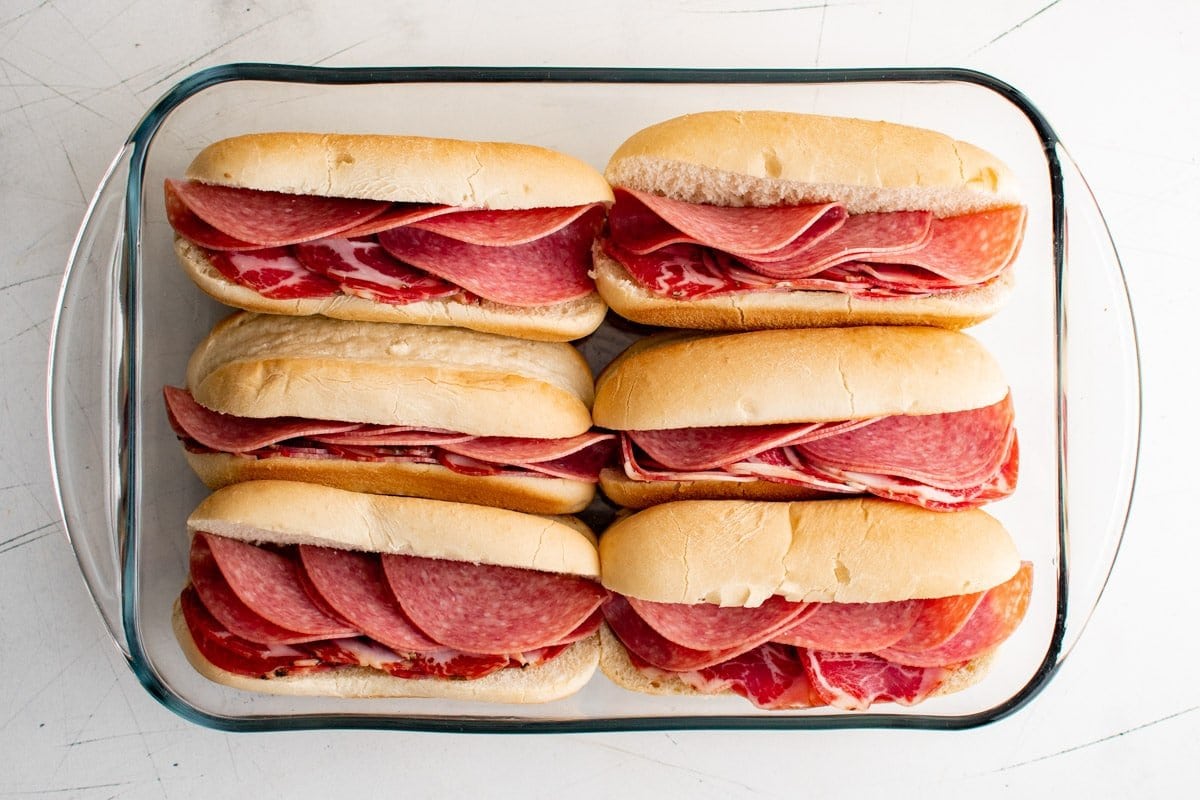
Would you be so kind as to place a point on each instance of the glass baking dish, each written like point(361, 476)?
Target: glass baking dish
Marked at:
point(128, 318)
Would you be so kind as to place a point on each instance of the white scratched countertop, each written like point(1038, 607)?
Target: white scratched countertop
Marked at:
point(1115, 80)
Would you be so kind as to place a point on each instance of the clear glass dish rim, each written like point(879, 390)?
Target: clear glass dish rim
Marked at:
point(144, 133)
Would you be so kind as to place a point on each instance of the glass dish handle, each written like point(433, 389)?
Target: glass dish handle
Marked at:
point(1100, 404)
point(86, 421)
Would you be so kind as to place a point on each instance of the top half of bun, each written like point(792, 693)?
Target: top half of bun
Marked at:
point(283, 512)
point(739, 553)
point(402, 169)
point(263, 365)
point(683, 380)
point(764, 158)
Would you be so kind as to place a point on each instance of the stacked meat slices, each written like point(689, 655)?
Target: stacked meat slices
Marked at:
point(272, 611)
point(785, 654)
point(287, 246)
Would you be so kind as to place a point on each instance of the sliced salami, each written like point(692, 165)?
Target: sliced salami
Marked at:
point(993, 620)
point(651, 647)
point(392, 436)
point(354, 584)
point(954, 450)
point(706, 626)
point(741, 231)
point(274, 273)
point(862, 236)
point(483, 608)
point(503, 228)
point(967, 249)
point(194, 229)
point(853, 681)
point(395, 216)
point(364, 269)
point(551, 269)
point(233, 654)
point(273, 219)
point(940, 618)
point(233, 615)
point(694, 449)
point(852, 627)
point(437, 663)
point(267, 582)
point(513, 450)
point(232, 434)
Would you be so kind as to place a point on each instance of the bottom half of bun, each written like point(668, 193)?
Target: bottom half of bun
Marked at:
point(795, 309)
point(551, 680)
point(532, 494)
point(616, 666)
point(628, 493)
point(553, 322)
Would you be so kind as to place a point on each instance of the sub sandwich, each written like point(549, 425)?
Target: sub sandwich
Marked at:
point(842, 603)
point(490, 236)
point(760, 219)
point(916, 414)
point(437, 412)
point(307, 590)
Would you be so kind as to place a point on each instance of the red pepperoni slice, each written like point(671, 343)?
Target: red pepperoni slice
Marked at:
point(954, 450)
point(995, 618)
point(364, 269)
point(483, 608)
point(770, 676)
point(968, 249)
point(647, 644)
point(940, 618)
point(551, 269)
point(862, 236)
point(233, 654)
point(706, 626)
point(268, 583)
point(273, 219)
point(853, 681)
point(354, 584)
point(742, 231)
point(273, 272)
point(233, 615)
point(503, 228)
point(852, 627)
point(231, 434)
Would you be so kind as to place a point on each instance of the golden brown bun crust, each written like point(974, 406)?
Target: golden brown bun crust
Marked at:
point(763, 158)
point(800, 309)
point(557, 322)
point(552, 680)
point(531, 495)
point(261, 365)
point(738, 553)
point(628, 493)
point(302, 513)
point(402, 169)
point(616, 666)
point(814, 375)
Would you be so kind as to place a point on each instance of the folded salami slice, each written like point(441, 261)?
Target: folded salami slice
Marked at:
point(272, 219)
point(504, 228)
point(861, 237)
point(551, 269)
point(455, 603)
point(354, 584)
point(705, 626)
point(267, 582)
point(693, 449)
point(940, 618)
point(234, 615)
point(852, 627)
point(233, 434)
point(992, 621)
point(653, 648)
point(227, 651)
